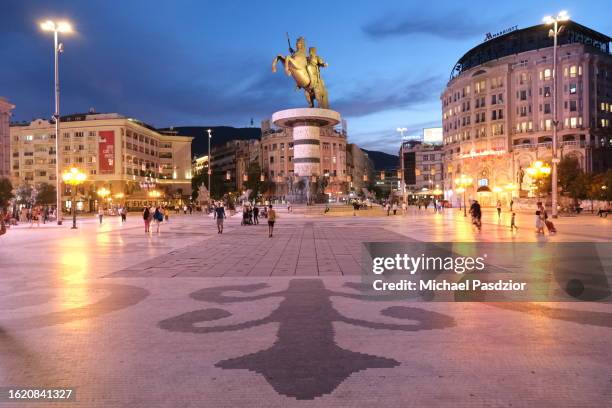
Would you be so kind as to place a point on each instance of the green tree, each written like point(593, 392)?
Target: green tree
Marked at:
point(46, 194)
point(24, 194)
point(254, 182)
point(197, 180)
point(569, 172)
point(6, 192)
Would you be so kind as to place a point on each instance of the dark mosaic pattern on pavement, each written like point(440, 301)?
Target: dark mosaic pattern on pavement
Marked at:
point(304, 362)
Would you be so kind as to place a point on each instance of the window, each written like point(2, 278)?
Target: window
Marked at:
point(547, 108)
point(523, 78)
point(573, 106)
point(493, 99)
point(572, 88)
point(480, 86)
point(547, 92)
point(573, 122)
point(79, 134)
point(523, 95)
point(573, 71)
point(272, 159)
point(546, 74)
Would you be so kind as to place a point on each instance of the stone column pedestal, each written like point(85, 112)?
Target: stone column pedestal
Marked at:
point(306, 124)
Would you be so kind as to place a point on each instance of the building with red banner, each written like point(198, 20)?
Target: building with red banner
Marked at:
point(128, 161)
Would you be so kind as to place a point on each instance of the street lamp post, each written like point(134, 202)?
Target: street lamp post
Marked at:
point(74, 177)
point(209, 166)
point(462, 183)
point(403, 179)
point(538, 170)
point(554, 32)
point(103, 193)
point(59, 27)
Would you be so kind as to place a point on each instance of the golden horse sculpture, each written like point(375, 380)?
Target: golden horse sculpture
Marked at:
point(305, 70)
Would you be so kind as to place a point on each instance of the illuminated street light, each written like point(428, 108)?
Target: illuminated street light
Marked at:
point(103, 192)
point(538, 170)
point(554, 33)
point(462, 183)
point(56, 28)
point(209, 131)
point(74, 177)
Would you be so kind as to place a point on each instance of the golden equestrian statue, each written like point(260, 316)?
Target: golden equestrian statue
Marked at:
point(305, 70)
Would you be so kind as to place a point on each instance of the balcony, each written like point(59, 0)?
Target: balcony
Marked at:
point(524, 146)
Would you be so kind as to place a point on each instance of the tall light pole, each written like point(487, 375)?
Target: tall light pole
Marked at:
point(403, 179)
point(463, 182)
point(74, 177)
point(57, 27)
point(209, 167)
point(554, 33)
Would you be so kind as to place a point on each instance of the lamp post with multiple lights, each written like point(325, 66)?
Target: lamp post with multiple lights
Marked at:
point(463, 182)
point(74, 177)
point(57, 27)
point(554, 33)
point(402, 175)
point(537, 171)
point(209, 166)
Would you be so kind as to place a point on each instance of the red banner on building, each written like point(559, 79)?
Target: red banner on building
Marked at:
point(106, 151)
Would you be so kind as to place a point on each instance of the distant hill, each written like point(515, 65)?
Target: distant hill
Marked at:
point(223, 134)
point(382, 160)
point(220, 135)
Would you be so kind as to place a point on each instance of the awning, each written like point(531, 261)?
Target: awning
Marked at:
point(483, 189)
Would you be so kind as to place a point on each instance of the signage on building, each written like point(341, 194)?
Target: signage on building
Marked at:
point(479, 153)
point(106, 151)
point(490, 36)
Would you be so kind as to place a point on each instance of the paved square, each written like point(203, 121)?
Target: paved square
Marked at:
point(242, 320)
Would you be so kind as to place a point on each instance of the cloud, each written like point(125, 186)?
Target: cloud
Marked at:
point(388, 140)
point(388, 95)
point(414, 23)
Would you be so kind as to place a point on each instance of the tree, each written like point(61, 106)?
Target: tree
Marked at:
point(25, 194)
point(254, 182)
point(46, 194)
point(6, 192)
point(569, 172)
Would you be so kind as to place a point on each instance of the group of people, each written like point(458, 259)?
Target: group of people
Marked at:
point(121, 212)
point(31, 215)
point(541, 221)
point(154, 214)
point(250, 216)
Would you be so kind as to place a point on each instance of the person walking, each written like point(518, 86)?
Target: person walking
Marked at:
point(256, 215)
point(513, 222)
point(476, 213)
point(511, 204)
point(539, 222)
point(271, 220)
point(100, 213)
point(499, 206)
point(158, 216)
point(146, 219)
point(394, 208)
point(219, 216)
point(123, 211)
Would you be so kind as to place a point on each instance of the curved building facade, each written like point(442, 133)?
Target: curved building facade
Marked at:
point(498, 108)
